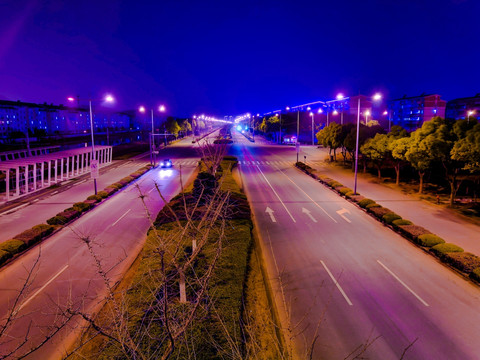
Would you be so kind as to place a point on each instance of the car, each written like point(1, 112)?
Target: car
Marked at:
point(167, 163)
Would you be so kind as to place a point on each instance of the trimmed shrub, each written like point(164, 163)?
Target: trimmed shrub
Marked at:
point(126, 180)
point(334, 184)
point(109, 190)
point(379, 211)
point(413, 231)
point(463, 261)
point(34, 234)
point(391, 217)
point(57, 220)
point(12, 246)
point(82, 206)
point(475, 274)
point(372, 205)
point(97, 198)
point(442, 249)
point(103, 194)
point(69, 214)
point(364, 202)
point(345, 190)
point(357, 198)
point(4, 256)
point(429, 240)
point(399, 222)
point(303, 166)
point(117, 185)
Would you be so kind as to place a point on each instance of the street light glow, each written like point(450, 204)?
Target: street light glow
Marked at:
point(320, 111)
point(385, 112)
point(109, 98)
point(141, 109)
point(161, 108)
point(377, 96)
point(340, 96)
point(70, 98)
point(335, 112)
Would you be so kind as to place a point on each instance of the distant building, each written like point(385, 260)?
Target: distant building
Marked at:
point(412, 112)
point(463, 108)
point(17, 116)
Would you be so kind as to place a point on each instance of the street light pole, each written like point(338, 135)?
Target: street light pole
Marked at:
point(356, 148)
point(94, 160)
point(313, 123)
point(297, 145)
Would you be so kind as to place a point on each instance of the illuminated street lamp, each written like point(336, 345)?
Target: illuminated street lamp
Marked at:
point(143, 110)
point(367, 113)
point(93, 162)
point(341, 97)
point(375, 97)
point(471, 112)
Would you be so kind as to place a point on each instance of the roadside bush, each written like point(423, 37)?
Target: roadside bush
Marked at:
point(372, 205)
point(12, 246)
point(399, 222)
point(345, 190)
point(442, 249)
point(82, 206)
point(463, 261)
point(364, 202)
point(391, 217)
point(69, 214)
point(116, 185)
point(97, 198)
point(475, 274)
point(413, 231)
point(4, 256)
point(334, 184)
point(57, 220)
point(109, 190)
point(357, 198)
point(429, 240)
point(303, 166)
point(379, 211)
point(35, 234)
point(103, 194)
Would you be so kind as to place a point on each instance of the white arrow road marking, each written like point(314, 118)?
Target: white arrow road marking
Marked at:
point(405, 285)
point(306, 211)
point(278, 197)
point(299, 188)
point(344, 211)
point(337, 284)
point(270, 212)
point(43, 287)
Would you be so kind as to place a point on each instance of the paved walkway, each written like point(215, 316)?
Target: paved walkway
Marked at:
point(436, 218)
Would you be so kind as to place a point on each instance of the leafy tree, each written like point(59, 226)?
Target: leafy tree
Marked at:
point(376, 149)
point(398, 148)
point(270, 125)
point(185, 126)
point(330, 137)
point(172, 126)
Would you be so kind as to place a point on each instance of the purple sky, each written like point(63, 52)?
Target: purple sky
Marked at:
point(225, 57)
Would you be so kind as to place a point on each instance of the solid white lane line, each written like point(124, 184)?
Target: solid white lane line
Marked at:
point(405, 285)
point(35, 200)
point(55, 192)
point(121, 217)
point(317, 205)
point(149, 191)
point(337, 284)
point(43, 287)
point(278, 197)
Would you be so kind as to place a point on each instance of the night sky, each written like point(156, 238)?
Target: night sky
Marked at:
point(226, 57)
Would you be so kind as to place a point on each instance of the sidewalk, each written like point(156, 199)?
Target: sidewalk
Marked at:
point(435, 218)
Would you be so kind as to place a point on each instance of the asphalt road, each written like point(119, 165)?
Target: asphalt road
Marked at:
point(66, 271)
point(348, 281)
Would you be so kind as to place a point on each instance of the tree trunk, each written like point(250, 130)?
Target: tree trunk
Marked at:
point(183, 293)
point(420, 187)
point(397, 172)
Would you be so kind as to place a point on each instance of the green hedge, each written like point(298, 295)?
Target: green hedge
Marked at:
point(345, 190)
point(4, 256)
point(442, 249)
point(391, 217)
point(379, 212)
point(35, 234)
point(103, 194)
point(429, 240)
point(81, 206)
point(13, 246)
point(463, 261)
point(372, 205)
point(334, 184)
point(364, 202)
point(399, 222)
point(475, 274)
point(97, 197)
point(303, 166)
point(57, 220)
point(413, 231)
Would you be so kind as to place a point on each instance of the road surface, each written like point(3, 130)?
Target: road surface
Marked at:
point(349, 281)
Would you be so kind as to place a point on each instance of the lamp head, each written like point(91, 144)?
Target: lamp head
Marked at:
point(141, 109)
